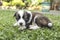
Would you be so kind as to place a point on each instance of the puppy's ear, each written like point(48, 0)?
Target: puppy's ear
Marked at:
point(15, 14)
point(29, 13)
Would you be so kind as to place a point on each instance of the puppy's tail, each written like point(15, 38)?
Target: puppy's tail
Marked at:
point(49, 25)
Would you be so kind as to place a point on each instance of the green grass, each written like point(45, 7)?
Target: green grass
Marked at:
point(8, 32)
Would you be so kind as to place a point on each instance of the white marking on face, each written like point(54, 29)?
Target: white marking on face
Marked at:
point(21, 13)
point(21, 20)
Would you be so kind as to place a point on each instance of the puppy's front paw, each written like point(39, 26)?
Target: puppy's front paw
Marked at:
point(15, 24)
point(21, 28)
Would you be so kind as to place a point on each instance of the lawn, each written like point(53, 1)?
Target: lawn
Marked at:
point(9, 32)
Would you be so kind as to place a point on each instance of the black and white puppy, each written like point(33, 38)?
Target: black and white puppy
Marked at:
point(32, 20)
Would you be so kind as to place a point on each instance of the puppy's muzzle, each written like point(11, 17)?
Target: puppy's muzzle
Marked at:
point(21, 24)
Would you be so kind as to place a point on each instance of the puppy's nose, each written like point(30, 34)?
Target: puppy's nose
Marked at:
point(21, 23)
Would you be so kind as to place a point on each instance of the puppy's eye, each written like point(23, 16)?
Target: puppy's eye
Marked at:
point(19, 17)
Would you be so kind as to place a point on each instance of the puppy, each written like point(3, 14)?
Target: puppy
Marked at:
point(32, 20)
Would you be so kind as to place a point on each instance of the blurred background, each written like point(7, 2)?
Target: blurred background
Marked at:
point(42, 5)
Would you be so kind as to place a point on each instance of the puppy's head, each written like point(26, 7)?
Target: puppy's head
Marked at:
point(23, 17)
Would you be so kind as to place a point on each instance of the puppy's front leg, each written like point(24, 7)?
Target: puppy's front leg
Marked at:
point(22, 28)
point(15, 24)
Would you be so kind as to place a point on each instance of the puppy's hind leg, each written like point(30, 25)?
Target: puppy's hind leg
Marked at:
point(43, 22)
point(34, 27)
point(34, 24)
